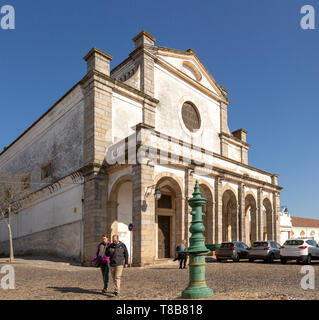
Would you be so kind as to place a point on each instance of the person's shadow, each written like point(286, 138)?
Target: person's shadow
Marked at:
point(79, 291)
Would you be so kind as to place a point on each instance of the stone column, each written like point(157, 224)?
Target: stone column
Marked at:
point(224, 118)
point(210, 223)
point(218, 210)
point(189, 188)
point(143, 215)
point(241, 212)
point(97, 88)
point(144, 44)
point(276, 216)
point(259, 224)
point(94, 213)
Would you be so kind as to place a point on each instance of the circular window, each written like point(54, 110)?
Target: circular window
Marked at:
point(191, 117)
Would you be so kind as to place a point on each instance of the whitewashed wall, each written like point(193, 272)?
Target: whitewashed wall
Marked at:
point(49, 212)
point(172, 91)
point(56, 138)
point(126, 114)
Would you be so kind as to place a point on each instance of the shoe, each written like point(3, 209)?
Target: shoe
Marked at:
point(116, 293)
point(104, 290)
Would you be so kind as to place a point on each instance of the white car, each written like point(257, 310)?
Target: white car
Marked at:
point(301, 250)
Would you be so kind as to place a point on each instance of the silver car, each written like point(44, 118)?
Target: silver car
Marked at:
point(301, 250)
point(264, 250)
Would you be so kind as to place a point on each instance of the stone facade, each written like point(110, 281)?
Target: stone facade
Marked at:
point(126, 126)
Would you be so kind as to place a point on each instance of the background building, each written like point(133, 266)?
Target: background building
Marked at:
point(295, 227)
point(157, 121)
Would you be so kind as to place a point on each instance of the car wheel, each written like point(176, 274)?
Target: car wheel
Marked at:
point(308, 259)
point(283, 261)
point(270, 258)
point(236, 259)
point(251, 260)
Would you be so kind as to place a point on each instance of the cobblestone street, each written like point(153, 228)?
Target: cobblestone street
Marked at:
point(42, 279)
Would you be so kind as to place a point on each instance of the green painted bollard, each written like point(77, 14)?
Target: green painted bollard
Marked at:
point(197, 251)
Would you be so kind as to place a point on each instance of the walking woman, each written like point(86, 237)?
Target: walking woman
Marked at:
point(103, 261)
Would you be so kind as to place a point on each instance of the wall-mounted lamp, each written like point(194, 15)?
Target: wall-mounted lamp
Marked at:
point(157, 193)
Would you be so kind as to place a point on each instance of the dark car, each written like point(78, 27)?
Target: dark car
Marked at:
point(234, 250)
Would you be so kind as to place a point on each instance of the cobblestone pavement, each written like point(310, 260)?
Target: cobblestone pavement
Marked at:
point(42, 279)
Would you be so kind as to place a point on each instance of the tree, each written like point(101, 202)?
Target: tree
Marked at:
point(12, 194)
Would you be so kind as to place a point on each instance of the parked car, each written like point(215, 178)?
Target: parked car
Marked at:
point(301, 250)
point(234, 250)
point(264, 250)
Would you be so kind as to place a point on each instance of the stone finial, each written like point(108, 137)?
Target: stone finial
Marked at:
point(98, 60)
point(274, 179)
point(241, 134)
point(191, 51)
point(143, 38)
point(224, 90)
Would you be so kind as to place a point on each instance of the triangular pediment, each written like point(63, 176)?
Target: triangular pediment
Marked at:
point(190, 66)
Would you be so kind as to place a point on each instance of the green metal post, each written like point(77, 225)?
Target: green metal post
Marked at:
point(197, 251)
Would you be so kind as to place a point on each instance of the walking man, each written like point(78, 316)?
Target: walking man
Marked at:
point(103, 261)
point(182, 257)
point(118, 259)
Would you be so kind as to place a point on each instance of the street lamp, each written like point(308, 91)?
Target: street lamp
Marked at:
point(158, 194)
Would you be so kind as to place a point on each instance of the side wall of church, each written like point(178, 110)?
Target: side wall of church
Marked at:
point(50, 222)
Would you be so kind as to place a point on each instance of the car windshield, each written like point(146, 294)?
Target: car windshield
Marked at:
point(293, 243)
point(260, 244)
point(227, 245)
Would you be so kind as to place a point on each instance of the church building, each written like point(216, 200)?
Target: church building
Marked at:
point(124, 147)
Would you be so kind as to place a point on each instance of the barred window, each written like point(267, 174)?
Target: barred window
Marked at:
point(46, 171)
point(191, 116)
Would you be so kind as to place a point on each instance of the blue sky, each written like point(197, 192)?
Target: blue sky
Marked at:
point(256, 49)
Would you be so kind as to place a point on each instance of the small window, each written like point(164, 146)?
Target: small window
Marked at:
point(46, 171)
point(312, 243)
point(260, 244)
point(227, 245)
point(294, 242)
point(165, 202)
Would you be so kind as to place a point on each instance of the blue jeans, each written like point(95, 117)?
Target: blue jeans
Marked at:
point(105, 268)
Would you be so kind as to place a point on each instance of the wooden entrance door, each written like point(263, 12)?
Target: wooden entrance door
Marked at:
point(164, 231)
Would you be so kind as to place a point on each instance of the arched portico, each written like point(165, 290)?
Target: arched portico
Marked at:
point(230, 219)
point(208, 213)
point(169, 218)
point(119, 211)
point(250, 219)
point(268, 220)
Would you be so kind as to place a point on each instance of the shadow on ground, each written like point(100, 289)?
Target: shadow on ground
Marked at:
point(76, 290)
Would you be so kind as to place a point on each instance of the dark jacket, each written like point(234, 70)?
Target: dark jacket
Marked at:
point(120, 255)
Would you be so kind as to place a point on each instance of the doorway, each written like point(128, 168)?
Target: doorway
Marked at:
point(164, 241)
